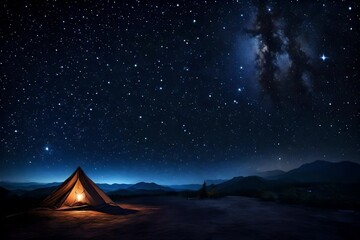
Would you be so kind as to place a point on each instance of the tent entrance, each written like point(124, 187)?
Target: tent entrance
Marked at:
point(77, 196)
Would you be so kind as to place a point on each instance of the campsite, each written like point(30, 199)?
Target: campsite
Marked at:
point(79, 209)
point(180, 119)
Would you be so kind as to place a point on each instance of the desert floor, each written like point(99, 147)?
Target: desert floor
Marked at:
point(181, 218)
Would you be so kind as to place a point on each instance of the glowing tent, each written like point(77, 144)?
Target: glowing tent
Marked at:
point(77, 190)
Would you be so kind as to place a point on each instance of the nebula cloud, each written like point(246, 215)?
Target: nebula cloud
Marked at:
point(284, 70)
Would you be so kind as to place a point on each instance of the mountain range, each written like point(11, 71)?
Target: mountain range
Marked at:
point(326, 177)
point(323, 172)
point(315, 172)
point(148, 186)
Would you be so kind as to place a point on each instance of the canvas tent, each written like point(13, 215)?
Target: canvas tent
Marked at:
point(77, 190)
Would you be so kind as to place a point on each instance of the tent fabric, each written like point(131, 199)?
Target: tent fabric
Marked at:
point(77, 190)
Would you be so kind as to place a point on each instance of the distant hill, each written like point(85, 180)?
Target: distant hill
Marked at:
point(4, 192)
point(193, 187)
point(21, 188)
point(39, 193)
point(269, 174)
point(28, 186)
point(148, 186)
point(241, 184)
point(315, 172)
point(324, 172)
point(318, 184)
point(121, 193)
point(20, 192)
point(113, 187)
point(215, 181)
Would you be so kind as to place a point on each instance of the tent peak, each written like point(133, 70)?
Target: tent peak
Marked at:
point(79, 170)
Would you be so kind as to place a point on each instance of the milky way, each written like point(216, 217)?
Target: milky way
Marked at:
point(277, 28)
point(175, 91)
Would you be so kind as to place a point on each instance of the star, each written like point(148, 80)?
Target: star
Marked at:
point(323, 57)
point(47, 149)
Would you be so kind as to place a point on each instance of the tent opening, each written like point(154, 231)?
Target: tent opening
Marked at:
point(80, 197)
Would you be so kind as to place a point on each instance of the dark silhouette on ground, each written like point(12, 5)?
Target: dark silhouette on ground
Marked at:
point(203, 192)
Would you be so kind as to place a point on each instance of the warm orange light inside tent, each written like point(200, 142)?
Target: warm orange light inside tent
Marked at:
point(80, 197)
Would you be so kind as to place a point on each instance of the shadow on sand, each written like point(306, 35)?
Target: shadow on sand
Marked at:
point(106, 208)
point(114, 210)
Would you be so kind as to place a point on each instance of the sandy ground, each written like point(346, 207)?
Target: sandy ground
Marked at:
point(180, 218)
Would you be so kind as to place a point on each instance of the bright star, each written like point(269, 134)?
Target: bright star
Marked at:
point(323, 57)
point(46, 148)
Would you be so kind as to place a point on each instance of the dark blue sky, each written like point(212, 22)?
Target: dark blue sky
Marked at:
point(175, 91)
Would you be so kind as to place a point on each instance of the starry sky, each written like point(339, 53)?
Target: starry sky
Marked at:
point(176, 91)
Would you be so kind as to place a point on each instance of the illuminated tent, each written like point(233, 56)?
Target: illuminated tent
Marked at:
point(77, 190)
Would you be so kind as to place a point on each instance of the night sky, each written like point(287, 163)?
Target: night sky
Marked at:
point(176, 91)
